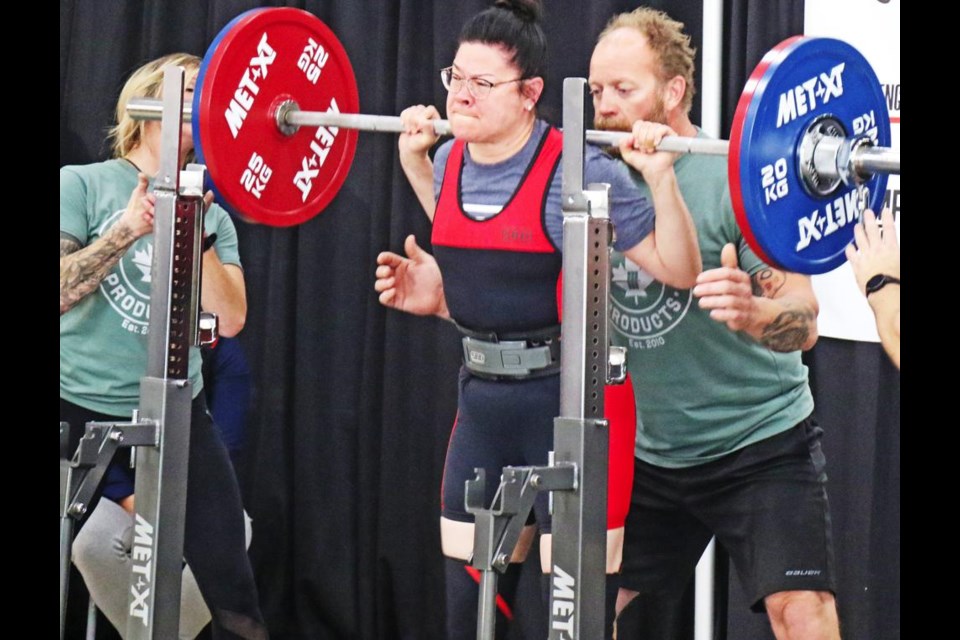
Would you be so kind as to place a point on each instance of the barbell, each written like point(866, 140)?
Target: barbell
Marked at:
point(275, 120)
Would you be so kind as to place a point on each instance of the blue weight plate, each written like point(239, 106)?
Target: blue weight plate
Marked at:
point(797, 82)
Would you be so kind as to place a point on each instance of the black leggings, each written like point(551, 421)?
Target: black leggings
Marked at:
point(214, 543)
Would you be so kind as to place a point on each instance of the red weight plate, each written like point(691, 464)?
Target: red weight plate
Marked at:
point(261, 59)
point(736, 138)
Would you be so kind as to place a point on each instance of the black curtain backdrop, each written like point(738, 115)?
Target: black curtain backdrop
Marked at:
point(353, 404)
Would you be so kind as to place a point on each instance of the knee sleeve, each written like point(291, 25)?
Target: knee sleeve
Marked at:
point(105, 537)
point(101, 553)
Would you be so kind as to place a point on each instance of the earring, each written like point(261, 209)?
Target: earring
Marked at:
point(528, 106)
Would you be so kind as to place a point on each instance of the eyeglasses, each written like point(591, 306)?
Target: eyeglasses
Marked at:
point(479, 88)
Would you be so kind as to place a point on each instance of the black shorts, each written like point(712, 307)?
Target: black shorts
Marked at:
point(766, 504)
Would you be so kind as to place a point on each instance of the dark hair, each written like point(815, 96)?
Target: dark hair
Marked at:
point(515, 25)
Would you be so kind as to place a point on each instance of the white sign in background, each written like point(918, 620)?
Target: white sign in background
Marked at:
point(873, 27)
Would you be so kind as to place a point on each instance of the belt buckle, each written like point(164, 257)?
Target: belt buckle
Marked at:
point(494, 359)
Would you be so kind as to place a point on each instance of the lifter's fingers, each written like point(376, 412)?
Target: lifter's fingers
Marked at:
point(390, 259)
point(384, 284)
point(384, 271)
point(387, 297)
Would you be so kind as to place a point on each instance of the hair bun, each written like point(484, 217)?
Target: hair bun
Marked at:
point(526, 10)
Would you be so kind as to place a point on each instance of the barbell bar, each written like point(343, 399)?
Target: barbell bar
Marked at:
point(864, 160)
point(275, 121)
point(290, 117)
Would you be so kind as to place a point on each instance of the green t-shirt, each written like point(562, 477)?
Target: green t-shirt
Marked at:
point(103, 341)
point(702, 390)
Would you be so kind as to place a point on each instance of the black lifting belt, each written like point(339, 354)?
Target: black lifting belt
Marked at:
point(525, 354)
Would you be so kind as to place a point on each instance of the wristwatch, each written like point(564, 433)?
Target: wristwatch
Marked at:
point(879, 281)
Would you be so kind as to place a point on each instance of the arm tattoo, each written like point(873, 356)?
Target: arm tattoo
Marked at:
point(767, 282)
point(82, 270)
point(790, 330)
point(68, 244)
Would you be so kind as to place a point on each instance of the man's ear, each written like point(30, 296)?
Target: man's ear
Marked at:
point(673, 91)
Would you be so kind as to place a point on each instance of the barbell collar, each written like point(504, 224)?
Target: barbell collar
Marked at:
point(851, 161)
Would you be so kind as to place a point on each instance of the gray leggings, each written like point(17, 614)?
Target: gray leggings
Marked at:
point(101, 552)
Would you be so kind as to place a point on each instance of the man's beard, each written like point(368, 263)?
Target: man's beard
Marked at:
point(620, 123)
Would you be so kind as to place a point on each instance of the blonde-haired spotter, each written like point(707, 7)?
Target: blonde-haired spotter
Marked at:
point(145, 82)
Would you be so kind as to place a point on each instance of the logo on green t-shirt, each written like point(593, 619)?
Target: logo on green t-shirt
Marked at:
point(127, 287)
point(642, 309)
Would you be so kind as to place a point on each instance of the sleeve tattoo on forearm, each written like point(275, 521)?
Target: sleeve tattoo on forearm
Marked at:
point(82, 270)
point(68, 244)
